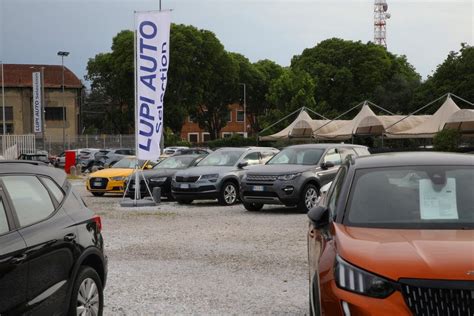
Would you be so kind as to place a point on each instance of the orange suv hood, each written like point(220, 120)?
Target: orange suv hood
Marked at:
point(408, 253)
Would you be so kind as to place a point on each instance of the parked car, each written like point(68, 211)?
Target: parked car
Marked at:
point(295, 175)
point(394, 236)
point(52, 259)
point(168, 151)
point(161, 174)
point(114, 155)
point(217, 175)
point(35, 157)
point(192, 151)
point(112, 180)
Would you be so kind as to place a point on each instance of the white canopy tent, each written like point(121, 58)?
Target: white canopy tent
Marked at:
point(429, 127)
point(377, 125)
point(302, 121)
point(462, 120)
point(348, 129)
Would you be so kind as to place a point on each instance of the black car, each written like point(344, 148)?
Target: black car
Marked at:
point(295, 175)
point(51, 246)
point(161, 174)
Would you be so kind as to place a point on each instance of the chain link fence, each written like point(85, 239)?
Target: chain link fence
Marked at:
point(56, 145)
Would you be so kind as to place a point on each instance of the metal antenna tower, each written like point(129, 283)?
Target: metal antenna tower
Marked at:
point(380, 22)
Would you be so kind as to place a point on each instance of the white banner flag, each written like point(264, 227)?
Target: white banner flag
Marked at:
point(152, 60)
point(37, 106)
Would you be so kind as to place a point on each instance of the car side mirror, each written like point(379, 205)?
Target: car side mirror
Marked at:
point(326, 165)
point(241, 165)
point(319, 215)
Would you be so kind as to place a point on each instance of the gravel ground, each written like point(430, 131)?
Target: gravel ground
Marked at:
point(202, 259)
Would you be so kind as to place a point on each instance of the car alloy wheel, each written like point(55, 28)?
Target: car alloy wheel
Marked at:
point(230, 194)
point(88, 298)
point(311, 198)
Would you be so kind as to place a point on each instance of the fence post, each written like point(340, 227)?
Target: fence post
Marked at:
point(87, 141)
point(120, 137)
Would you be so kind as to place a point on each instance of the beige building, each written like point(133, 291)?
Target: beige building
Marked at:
point(19, 99)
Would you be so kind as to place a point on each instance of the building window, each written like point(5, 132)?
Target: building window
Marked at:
point(54, 114)
point(206, 137)
point(244, 135)
point(193, 137)
point(229, 116)
point(192, 118)
point(8, 113)
point(9, 129)
point(226, 134)
point(240, 116)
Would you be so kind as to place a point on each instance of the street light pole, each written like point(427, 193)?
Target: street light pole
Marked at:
point(245, 107)
point(3, 104)
point(63, 54)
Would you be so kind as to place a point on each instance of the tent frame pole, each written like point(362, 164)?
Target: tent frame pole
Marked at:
point(280, 120)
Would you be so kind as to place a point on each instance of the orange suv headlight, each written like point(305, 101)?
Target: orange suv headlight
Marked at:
point(353, 279)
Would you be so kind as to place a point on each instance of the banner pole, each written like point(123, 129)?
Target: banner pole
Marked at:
point(137, 182)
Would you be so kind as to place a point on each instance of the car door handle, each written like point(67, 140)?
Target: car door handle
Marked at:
point(18, 259)
point(70, 237)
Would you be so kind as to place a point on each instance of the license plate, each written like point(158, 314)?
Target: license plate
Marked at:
point(258, 188)
point(97, 184)
point(184, 186)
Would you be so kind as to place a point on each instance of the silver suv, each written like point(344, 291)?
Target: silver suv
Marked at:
point(217, 175)
point(295, 175)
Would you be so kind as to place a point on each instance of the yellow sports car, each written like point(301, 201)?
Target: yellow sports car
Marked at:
point(112, 180)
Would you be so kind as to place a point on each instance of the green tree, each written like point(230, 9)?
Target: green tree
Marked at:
point(347, 72)
point(260, 106)
point(292, 90)
point(218, 75)
point(111, 75)
point(455, 75)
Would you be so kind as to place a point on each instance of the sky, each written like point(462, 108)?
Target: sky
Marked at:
point(33, 31)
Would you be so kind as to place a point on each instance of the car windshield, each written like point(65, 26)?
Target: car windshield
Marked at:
point(128, 163)
point(177, 162)
point(297, 156)
point(423, 197)
point(222, 158)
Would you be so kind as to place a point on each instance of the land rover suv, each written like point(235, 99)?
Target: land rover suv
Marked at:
point(295, 175)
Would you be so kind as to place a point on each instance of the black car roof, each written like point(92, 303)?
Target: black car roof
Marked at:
point(425, 158)
point(32, 167)
point(326, 145)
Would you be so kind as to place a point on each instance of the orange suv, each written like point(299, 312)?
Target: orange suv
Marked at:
point(394, 235)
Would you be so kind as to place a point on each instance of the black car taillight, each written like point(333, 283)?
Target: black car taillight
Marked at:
point(98, 222)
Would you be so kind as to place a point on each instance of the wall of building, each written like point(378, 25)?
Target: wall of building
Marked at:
point(233, 127)
point(20, 99)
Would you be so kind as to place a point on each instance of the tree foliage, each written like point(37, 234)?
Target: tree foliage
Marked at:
point(347, 72)
point(111, 76)
point(455, 75)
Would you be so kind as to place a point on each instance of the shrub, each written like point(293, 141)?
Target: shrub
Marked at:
point(447, 140)
point(234, 141)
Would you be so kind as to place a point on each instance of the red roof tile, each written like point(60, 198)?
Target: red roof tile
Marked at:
point(20, 75)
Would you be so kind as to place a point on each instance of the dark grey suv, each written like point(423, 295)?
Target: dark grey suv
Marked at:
point(217, 175)
point(294, 176)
